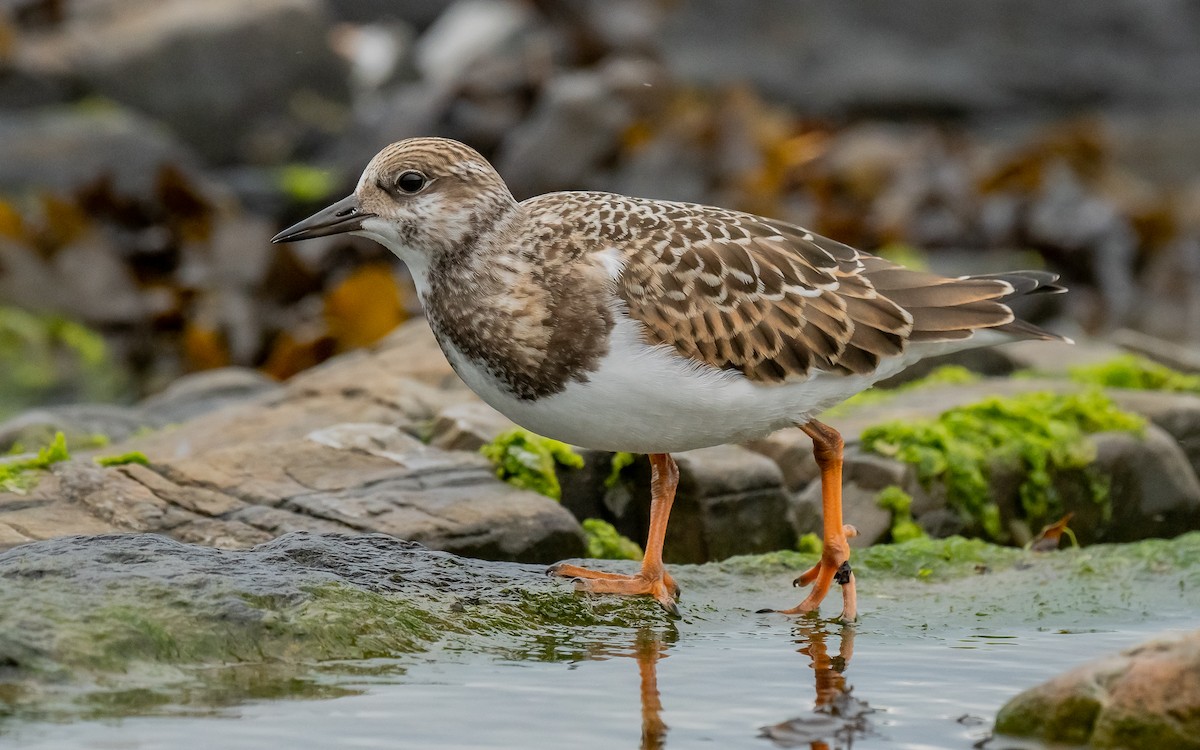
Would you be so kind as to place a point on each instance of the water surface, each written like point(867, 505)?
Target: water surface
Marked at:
point(926, 667)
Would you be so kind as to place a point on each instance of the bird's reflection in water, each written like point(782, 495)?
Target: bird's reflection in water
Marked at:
point(649, 646)
point(838, 717)
point(648, 649)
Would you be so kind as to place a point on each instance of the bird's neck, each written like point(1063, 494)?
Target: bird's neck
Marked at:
point(484, 264)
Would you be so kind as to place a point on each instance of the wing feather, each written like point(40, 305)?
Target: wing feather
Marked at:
point(777, 302)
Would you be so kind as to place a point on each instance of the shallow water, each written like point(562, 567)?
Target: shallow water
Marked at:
point(715, 679)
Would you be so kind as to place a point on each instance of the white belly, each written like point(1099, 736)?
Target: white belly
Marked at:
point(647, 399)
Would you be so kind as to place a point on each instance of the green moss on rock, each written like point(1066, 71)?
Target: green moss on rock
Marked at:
point(1069, 721)
point(20, 475)
point(620, 461)
point(531, 461)
point(132, 457)
point(923, 558)
point(604, 542)
point(1041, 433)
point(129, 623)
point(899, 502)
point(1134, 372)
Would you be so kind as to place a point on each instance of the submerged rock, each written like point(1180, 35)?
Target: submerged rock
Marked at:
point(95, 619)
point(1146, 697)
point(118, 625)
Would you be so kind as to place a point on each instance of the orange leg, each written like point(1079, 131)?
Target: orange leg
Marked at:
point(653, 578)
point(835, 555)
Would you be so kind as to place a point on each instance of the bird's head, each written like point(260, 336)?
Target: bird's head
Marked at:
point(418, 197)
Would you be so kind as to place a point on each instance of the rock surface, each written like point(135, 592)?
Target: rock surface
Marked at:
point(1146, 697)
point(730, 501)
point(236, 459)
point(326, 452)
point(146, 610)
point(122, 625)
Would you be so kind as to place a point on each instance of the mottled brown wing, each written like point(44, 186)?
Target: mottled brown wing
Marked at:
point(776, 302)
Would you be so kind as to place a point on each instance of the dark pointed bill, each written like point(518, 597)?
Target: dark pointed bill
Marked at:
point(344, 216)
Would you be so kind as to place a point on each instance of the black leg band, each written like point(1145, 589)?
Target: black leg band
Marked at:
point(842, 576)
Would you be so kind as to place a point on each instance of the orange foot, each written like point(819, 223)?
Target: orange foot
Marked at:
point(660, 585)
point(834, 566)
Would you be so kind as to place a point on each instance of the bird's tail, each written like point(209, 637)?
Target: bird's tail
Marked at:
point(1026, 283)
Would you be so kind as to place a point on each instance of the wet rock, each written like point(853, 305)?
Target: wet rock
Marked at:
point(75, 611)
point(365, 477)
point(140, 53)
point(62, 149)
point(863, 476)
point(1151, 491)
point(1146, 697)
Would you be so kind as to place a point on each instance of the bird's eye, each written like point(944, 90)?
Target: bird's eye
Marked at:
point(410, 181)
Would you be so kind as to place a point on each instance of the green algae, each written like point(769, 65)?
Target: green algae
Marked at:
point(809, 544)
point(604, 542)
point(944, 375)
point(1041, 434)
point(531, 461)
point(1137, 373)
point(1069, 722)
point(121, 459)
point(132, 646)
point(957, 557)
point(21, 475)
point(924, 558)
point(136, 646)
point(147, 622)
point(620, 461)
point(899, 502)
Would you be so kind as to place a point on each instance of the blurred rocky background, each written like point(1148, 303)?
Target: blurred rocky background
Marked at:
point(150, 148)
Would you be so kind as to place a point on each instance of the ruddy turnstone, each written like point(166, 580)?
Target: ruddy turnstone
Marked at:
point(627, 324)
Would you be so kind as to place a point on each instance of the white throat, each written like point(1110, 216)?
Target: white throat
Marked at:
point(384, 232)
